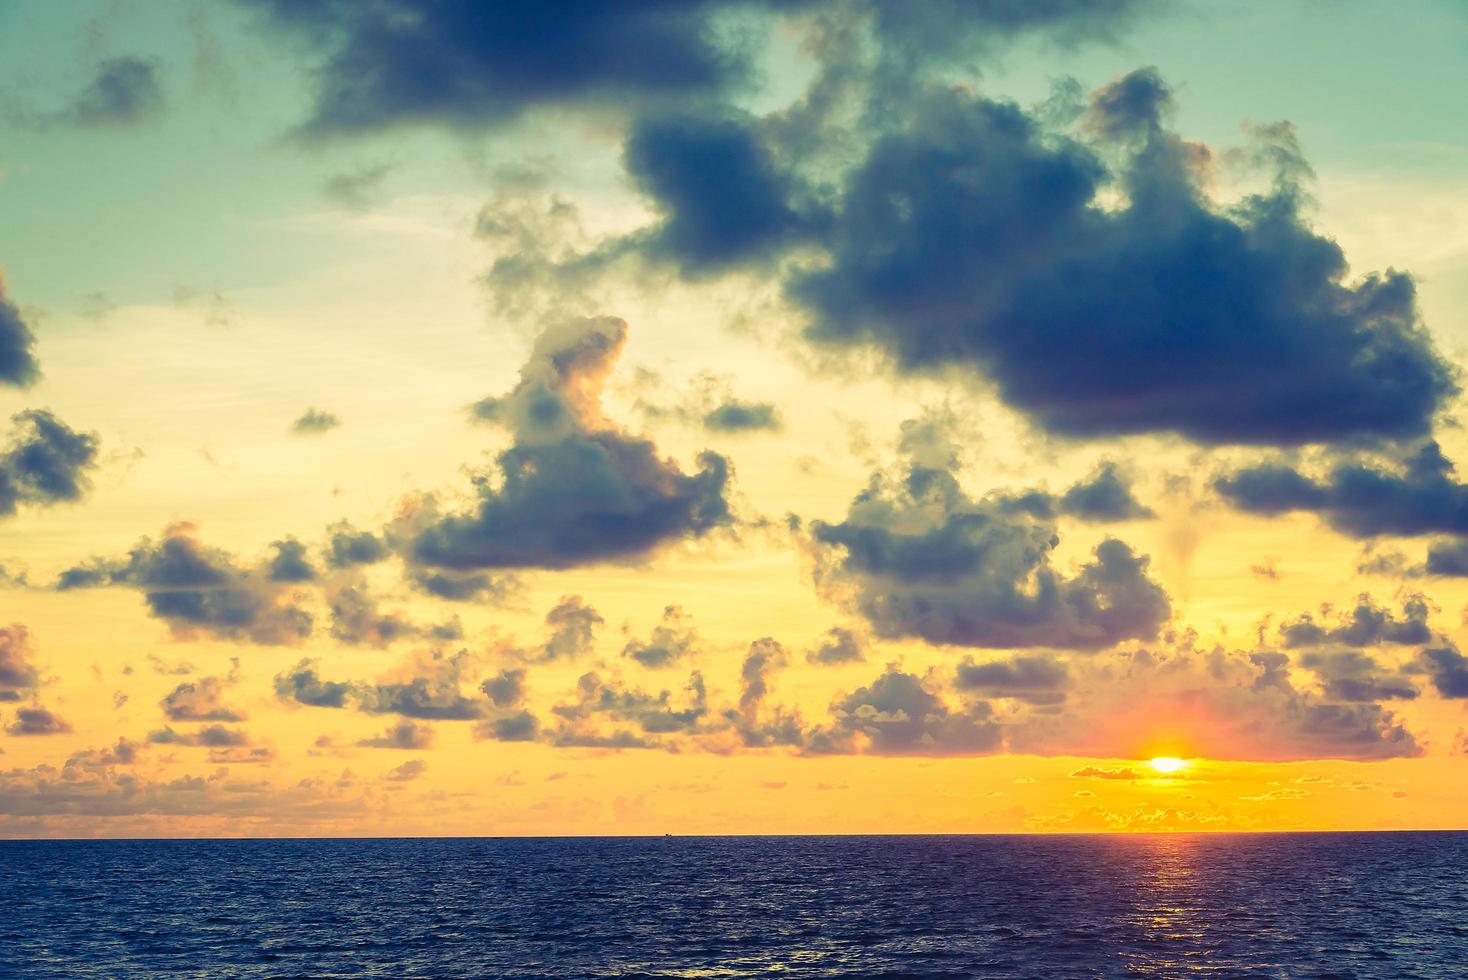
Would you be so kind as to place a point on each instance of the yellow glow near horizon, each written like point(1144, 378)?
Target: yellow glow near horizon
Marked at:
point(1167, 764)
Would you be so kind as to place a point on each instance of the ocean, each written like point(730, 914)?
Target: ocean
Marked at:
point(1248, 905)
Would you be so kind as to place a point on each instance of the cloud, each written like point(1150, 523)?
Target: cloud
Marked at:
point(919, 558)
point(841, 646)
point(406, 772)
point(36, 720)
point(303, 685)
point(472, 65)
point(897, 715)
point(18, 676)
point(573, 489)
point(356, 190)
point(315, 421)
point(572, 626)
point(1032, 679)
point(1365, 624)
point(208, 736)
point(347, 547)
point(200, 590)
point(405, 734)
point(723, 198)
point(1352, 676)
point(1097, 772)
point(44, 462)
point(737, 416)
point(507, 688)
point(974, 236)
point(1448, 670)
point(201, 700)
point(357, 618)
point(1420, 495)
point(1103, 496)
point(671, 640)
point(465, 586)
point(18, 364)
point(1214, 704)
point(290, 563)
point(125, 91)
point(600, 700)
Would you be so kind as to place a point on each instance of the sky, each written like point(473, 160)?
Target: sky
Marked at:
point(732, 416)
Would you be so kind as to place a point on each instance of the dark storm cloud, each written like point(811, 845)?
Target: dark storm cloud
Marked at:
point(925, 560)
point(1448, 670)
point(44, 462)
point(198, 589)
point(36, 720)
point(898, 715)
point(1420, 495)
point(201, 700)
point(18, 676)
point(124, 92)
point(723, 198)
point(975, 237)
point(462, 63)
point(18, 364)
point(303, 685)
point(574, 488)
point(670, 641)
point(1365, 624)
point(840, 646)
point(1032, 679)
point(405, 734)
point(315, 421)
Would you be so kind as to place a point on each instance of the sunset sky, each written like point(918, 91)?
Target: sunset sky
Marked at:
point(732, 416)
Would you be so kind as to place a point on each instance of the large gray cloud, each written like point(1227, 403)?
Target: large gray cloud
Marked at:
point(975, 235)
point(573, 489)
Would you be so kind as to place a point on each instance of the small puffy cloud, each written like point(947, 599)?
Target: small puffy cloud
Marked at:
point(897, 714)
point(840, 646)
point(733, 415)
point(428, 686)
point(1448, 670)
point(290, 563)
point(671, 640)
point(201, 590)
point(507, 688)
point(406, 772)
point(1099, 772)
point(919, 558)
point(36, 720)
point(405, 734)
point(125, 91)
point(303, 685)
point(19, 677)
point(572, 624)
point(315, 421)
point(573, 489)
point(201, 700)
point(209, 736)
point(347, 547)
point(44, 462)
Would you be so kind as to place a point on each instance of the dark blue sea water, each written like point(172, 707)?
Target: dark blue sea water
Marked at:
point(1308, 905)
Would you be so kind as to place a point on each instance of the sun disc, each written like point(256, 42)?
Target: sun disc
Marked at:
point(1167, 765)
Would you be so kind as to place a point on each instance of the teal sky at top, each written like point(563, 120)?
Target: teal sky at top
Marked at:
point(194, 199)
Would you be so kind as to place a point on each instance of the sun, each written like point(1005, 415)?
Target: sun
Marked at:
point(1167, 764)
